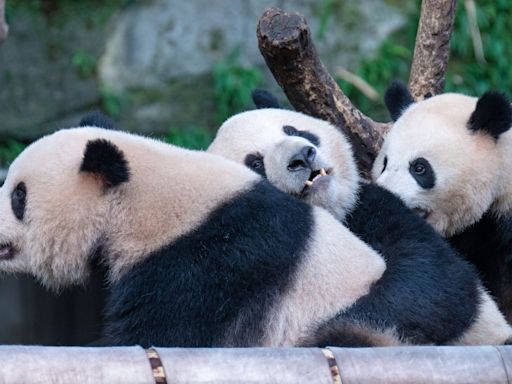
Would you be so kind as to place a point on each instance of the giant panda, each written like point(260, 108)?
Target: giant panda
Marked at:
point(200, 251)
point(427, 295)
point(449, 158)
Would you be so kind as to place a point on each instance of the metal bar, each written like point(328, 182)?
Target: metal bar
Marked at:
point(400, 365)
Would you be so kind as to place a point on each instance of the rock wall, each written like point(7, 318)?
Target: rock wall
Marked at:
point(152, 60)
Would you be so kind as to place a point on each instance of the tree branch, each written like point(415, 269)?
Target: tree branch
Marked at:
point(285, 42)
point(4, 28)
point(432, 48)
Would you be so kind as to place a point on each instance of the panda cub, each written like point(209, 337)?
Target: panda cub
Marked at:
point(427, 295)
point(200, 251)
point(448, 157)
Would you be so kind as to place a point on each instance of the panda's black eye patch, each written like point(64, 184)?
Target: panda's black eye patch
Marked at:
point(385, 164)
point(292, 131)
point(255, 162)
point(421, 170)
point(18, 200)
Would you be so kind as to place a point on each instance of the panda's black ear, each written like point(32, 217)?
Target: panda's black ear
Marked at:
point(105, 159)
point(264, 99)
point(97, 119)
point(493, 114)
point(397, 99)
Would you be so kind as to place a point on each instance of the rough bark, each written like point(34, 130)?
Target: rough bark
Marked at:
point(4, 28)
point(432, 48)
point(285, 42)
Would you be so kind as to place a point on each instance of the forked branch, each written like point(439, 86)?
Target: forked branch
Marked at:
point(432, 48)
point(285, 42)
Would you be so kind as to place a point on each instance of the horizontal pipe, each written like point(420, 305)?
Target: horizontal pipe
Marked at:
point(400, 365)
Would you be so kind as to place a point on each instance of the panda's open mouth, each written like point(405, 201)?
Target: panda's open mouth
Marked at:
point(423, 212)
point(6, 251)
point(314, 177)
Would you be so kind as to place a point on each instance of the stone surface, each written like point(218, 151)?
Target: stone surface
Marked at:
point(167, 39)
point(38, 83)
point(155, 58)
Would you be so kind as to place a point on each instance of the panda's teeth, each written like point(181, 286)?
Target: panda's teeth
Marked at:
point(323, 172)
point(316, 177)
point(309, 183)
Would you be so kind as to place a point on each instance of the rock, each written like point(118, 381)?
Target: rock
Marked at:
point(155, 58)
point(38, 83)
point(166, 39)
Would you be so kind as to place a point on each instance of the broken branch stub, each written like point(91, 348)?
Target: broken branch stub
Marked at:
point(432, 48)
point(285, 42)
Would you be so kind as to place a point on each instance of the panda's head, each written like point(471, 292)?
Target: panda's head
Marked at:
point(54, 205)
point(301, 155)
point(441, 156)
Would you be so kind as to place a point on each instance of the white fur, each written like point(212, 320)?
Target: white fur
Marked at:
point(489, 327)
point(170, 192)
point(468, 166)
point(68, 212)
point(420, 133)
point(261, 131)
point(355, 269)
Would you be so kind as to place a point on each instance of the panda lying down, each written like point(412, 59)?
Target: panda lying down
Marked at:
point(201, 251)
point(427, 295)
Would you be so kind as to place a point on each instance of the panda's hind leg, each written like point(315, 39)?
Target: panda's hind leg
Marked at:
point(339, 332)
point(489, 326)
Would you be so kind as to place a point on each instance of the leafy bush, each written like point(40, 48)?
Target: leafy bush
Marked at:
point(189, 137)
point(84, 63)
point(464, 74)
point(233, 83)
point(9, 151)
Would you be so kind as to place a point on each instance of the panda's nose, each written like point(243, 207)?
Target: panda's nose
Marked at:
point(302, 159)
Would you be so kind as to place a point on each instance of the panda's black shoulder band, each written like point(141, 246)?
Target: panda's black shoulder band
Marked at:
point(104, 158)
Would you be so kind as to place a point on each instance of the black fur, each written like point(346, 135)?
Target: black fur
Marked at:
point(493, 114)
point(255, 162)
point(104, 158)
point(97, 119)
point(18, 200)
point(488, 245)
point(427, 293)
point(397, 99)
point(311, 137)
point(344, 333)
point(264, 99)
point(421, 170)
point(215, 285)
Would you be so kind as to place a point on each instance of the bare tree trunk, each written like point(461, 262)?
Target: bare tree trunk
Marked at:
point(432, 48)
point(285, 42)
point(4, 28)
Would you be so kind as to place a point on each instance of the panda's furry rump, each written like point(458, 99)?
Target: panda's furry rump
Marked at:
point(427, 295)
point(488, 244)
point(231, 269)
